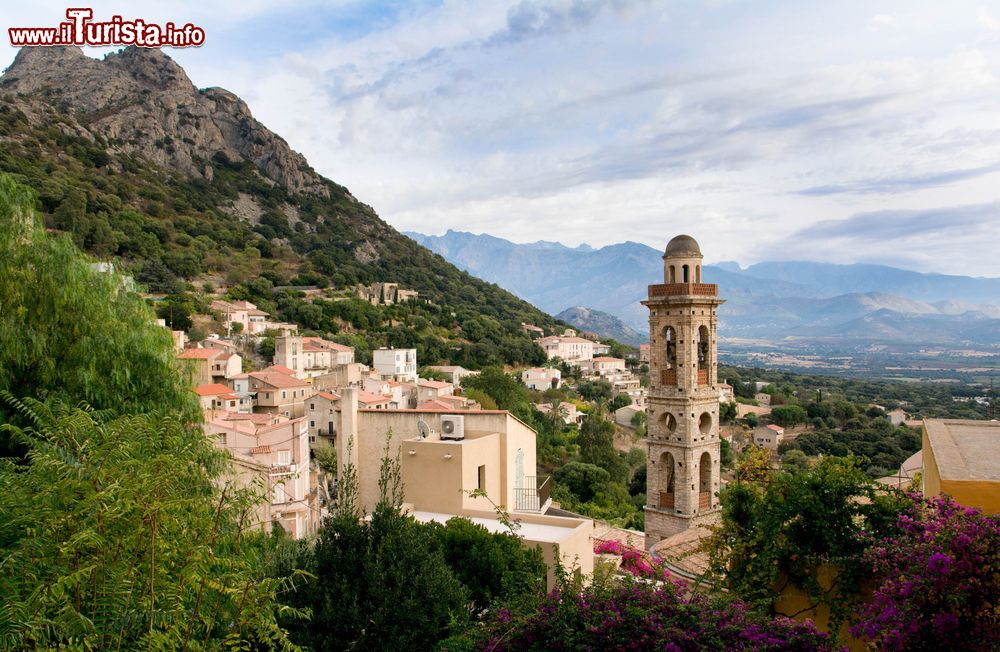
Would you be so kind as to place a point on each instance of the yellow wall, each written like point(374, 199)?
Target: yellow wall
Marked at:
point(983, 494)
point(795, 603)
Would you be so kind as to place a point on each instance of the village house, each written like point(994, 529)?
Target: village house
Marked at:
point(644, 353)
point(624, 415)
point(769, 436)
point(428, 390)
point(348, 375)
point(371, 401)
point(541, 379)
point(898, 416)
point(454, 373)
point(567, 411)
point(321, 415)
point(396, 364)
point(601, 349)
point(401, 395)
point(762, 398)
point(273, 450)
point(726, 393)
point(278, 393)
point(603, 366)
point(569, 349)
point(251, 320)
point(309, 357)
point(385, 294)
point(532, 330)
point(210, 365)
point(444, 457)
point(215, 396)
point(961, 457)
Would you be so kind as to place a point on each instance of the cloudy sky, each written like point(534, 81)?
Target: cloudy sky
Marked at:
point(837, 131)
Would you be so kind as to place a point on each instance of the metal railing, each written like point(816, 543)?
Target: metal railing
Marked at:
point(533, 495)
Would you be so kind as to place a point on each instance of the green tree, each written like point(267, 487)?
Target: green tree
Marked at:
point(789, 415)
point(596, 442)
point(493, 566)
point(619, 401)
point(380, 582)
point(595, 390)
point(581, 479)
point(508, 392)
point(70, 333)
point(727, 412)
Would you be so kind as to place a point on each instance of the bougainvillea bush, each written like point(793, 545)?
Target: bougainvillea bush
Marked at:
point(637, 615)
point(633, 560)
point(938, 581)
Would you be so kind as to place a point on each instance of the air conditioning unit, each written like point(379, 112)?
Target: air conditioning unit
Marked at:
point(452, 427)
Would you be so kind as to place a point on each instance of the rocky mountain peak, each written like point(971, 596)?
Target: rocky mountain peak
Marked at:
point(142, 102)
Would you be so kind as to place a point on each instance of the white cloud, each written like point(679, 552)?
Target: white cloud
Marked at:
point(581, 121)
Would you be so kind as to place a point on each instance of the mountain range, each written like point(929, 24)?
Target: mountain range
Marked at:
point(767, 301)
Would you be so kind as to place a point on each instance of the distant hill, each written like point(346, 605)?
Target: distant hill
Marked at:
point(770, 301)
point(604, 324)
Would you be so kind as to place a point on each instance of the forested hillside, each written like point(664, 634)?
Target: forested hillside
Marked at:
point(183, 187)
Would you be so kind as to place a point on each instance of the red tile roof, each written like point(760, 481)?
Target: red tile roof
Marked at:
point(277, 379)
point(201, 354)
point(281, 369)
point(435, 406)
point(212, 389)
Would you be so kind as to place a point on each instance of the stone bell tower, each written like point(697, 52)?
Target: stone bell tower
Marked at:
point(682, 463)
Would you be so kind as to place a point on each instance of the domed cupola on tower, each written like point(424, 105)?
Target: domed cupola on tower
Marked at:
point(682, 473)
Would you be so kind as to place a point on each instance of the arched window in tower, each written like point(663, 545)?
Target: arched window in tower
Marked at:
point(666, 497)
point(673, 273)
point(670, 338)
point(697, 274)
point(702, 347)
point(685, 274)
point(705, 481)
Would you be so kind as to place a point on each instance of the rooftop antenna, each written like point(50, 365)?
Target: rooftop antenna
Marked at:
point(423, 429)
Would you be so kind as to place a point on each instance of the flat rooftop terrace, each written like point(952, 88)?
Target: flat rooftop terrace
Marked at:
point(965, 449)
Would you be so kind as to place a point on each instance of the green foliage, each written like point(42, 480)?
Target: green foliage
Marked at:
point(114, 534)
point(788, 415)
point(494, 567)
point(725, 454)
point(727, 412)
point(597, 446)
point(582, 479)
point(485, 400)
point(619, 401)
point(881, 445)
point(68, 332)
point(595, 390)
point(507, 391)
point(793, 523)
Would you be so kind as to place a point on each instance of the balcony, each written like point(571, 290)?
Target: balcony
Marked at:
point(684, 289)
point(534, 495)
point(666, 500)
point(283, 469)
point(668, 376)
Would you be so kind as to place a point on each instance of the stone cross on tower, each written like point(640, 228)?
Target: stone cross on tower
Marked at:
point(682, 462)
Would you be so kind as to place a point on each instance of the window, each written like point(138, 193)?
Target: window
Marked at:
point(312, 406)
point(284, 394)
point(284, 457)
point(312, 424)
point(482, 477)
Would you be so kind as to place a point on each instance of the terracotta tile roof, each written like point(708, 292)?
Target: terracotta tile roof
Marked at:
point(369, 398)
point(281, 369)
point(212, 389)
point(435, 406)
point(277, 379)
point(433, 384)
point(201, 354)
point(607, 359)
point(260, 450)
point(330, 396)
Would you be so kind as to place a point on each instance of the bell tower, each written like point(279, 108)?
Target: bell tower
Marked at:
point(682, 462)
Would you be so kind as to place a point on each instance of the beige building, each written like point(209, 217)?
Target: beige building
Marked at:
point(429, 390)
point(683, 472)
point(278, 393)
point(348, 375)
point(454, 373)
point(769, 436)
point(541, 378)
point(309, 357)
point(961, 458)
point(644, 353)
point(215, 396)
point(386, 294)
point(446, 456)
point(273, 451)
point(211, 365)
point(322, 416)
point(252, 320)
point(567, 348)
